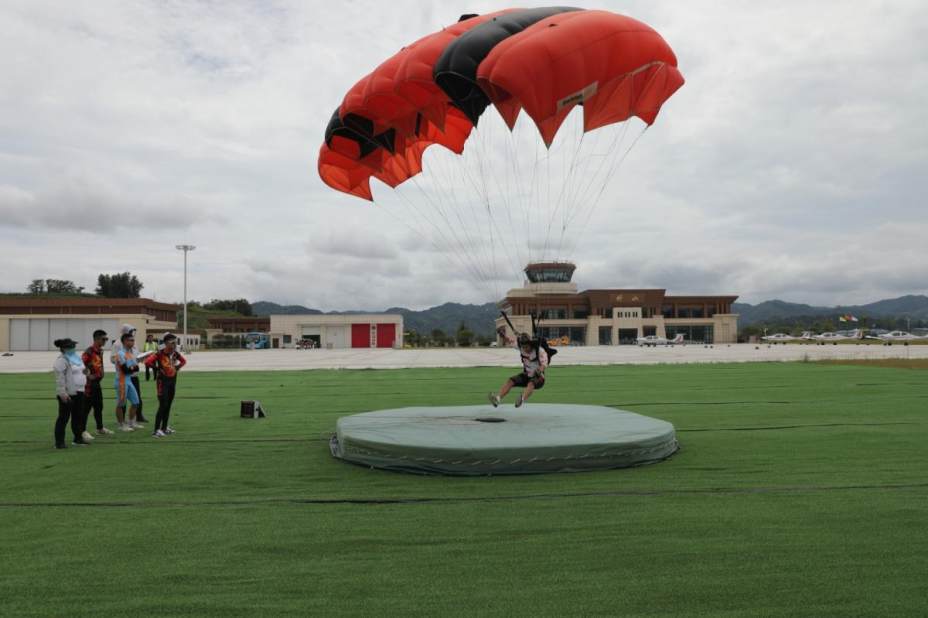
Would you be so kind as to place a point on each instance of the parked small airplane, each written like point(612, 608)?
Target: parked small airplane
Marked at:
point(897, 336)
point(654, 341)
point(780, 338)
point(834, 338)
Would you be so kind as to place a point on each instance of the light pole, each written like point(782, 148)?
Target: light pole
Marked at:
point(185, 249)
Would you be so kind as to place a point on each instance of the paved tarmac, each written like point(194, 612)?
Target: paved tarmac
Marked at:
point(269, 360)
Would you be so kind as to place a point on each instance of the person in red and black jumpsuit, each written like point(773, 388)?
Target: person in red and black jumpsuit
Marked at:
point(166, 362)
point(93, 392)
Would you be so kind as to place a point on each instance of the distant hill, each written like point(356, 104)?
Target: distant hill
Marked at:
point(447, 317)
point(265, 307)
point(913, 306)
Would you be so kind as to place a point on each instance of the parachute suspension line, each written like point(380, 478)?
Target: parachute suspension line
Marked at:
point(455, 245)
point(508, 235)
point(612, 171)
point(573, 185)
point(438, 204)
point(492, 224)
point(511, 202)
point(484, 200)
point(468, 269)
point(522, 194)
point(544, 251)
point(563, 195)
point(605, 162)
point(473, 247)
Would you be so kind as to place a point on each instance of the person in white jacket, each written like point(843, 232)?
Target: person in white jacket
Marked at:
point(70, 380)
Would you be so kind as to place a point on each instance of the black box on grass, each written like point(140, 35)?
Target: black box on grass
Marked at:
point(252, 409)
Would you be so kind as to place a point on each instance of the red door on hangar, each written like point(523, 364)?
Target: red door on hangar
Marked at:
point(360, 335)
point(386, 335)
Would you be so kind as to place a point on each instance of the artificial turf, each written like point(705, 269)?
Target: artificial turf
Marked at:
point(800, 489)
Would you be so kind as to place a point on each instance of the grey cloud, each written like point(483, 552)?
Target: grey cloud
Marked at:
point(81, 204)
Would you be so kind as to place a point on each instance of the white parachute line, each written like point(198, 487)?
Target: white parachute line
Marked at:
point(604, 160)
point(476, 152)
point(454, 242)
point(467, 268)
point(513, 198)
point(569, 164)
point(492, 225)
point(613, 170)
point(438, 208)
point(544, 251)
point(468, 211)
point(449, 195)
point(570, 193)
point(510, 241)
point(524, 194)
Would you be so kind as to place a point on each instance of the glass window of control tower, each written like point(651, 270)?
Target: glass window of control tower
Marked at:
point(550, 275)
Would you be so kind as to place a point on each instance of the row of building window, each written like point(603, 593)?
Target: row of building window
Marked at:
point(582, 313)
point(576, 335)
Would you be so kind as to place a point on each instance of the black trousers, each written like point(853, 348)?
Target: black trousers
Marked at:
point(138, 389)
point(166, 389)
point(93, 400)
point(72, 409)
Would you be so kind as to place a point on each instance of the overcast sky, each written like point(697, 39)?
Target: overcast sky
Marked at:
point(793, 164)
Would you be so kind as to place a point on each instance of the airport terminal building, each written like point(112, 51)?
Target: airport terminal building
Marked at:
point(614, 316)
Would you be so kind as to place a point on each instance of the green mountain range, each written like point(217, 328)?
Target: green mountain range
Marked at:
point(911, 306)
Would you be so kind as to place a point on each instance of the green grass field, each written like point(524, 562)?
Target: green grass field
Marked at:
point(800, 489)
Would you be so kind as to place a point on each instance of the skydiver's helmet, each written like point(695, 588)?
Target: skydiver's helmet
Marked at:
point(524, 340)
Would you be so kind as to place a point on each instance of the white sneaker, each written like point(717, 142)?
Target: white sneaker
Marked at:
point(137, 426)
point(169, 431)
point(494, 399)
point(126, 428)
point(87, 437)
point(104, 432)
point(158, 434)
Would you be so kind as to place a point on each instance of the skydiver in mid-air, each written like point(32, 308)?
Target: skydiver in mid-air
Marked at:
point(535, 354)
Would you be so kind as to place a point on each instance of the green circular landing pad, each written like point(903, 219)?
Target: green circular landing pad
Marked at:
point(481, 440)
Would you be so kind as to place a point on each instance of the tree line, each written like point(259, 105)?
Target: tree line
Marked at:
point(463, 337)
point(117, 285)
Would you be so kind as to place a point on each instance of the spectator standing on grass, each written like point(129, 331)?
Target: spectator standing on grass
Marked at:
point(93, 391)
point(70, 379)
point(150, 346)
point(127, 397)
point(166, 362)
point(128, 329)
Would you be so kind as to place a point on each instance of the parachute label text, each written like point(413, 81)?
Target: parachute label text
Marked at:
point(577, 97)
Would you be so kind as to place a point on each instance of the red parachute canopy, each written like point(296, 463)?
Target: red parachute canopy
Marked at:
point(544, 60)
point(617, 67)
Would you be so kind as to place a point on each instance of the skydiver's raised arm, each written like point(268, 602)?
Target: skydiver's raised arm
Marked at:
point(501, 331)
